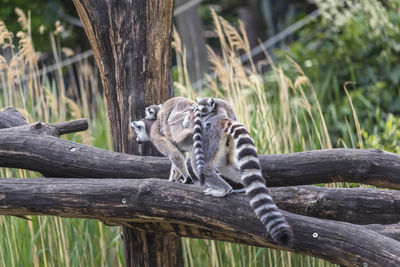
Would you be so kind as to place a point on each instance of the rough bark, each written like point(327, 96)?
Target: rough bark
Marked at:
point(354, 205)
point(133, 52)
point(46, 155)
point(10, 117)
point(131, 41)
point(157, 206)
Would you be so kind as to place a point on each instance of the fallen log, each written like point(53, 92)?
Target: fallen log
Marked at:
point(183, 210)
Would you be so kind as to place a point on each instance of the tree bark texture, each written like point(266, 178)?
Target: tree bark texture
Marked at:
point(54, 157)
point(10, 117)
point(131, 41)
point(156, 206)
point(354, 205)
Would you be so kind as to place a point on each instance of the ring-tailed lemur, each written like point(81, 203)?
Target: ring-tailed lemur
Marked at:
point(229, 149)
point(151, 112)
point(170, 132)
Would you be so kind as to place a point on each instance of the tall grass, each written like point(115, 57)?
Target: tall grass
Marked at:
point(52, 241)
point(283, 116)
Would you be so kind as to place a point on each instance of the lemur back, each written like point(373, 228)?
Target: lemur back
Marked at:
point(229, 149)
point(206, 108)
point(170, 132)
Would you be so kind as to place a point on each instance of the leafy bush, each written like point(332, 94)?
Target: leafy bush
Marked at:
point(356, 41)
point(386, 137)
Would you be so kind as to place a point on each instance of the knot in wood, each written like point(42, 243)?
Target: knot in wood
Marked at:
point(43, 128)
point(145, 190)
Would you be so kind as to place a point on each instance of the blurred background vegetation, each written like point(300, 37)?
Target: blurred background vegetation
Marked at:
point(332, 82)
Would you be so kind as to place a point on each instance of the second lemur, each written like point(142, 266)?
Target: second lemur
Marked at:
point(225, 145)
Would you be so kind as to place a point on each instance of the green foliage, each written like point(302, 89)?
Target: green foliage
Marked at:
point(357, 42)
point(43, 15)
point(386, 136)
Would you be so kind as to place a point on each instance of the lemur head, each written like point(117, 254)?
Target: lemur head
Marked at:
point(142, 129)
point(206, 105)
point(152, 111)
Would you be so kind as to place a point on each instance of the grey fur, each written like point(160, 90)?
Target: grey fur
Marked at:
point(169, 134)
point(229, 149)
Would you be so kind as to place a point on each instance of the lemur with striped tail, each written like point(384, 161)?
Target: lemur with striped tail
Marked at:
point(225, 145)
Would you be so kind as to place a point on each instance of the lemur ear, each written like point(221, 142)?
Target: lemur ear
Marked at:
point(211, 101)
point(160, 105)
point(198, 99)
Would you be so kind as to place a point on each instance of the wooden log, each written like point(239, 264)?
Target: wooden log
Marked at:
point(71, 126)
point(354, 205)
point(10, 117)
point(55, 157)
point(47, 155)
point(154, 204)
point(389, 230)
point(369, 166)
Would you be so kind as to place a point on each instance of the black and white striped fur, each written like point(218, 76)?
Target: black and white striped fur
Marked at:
point(251, 177)
point(226, 146)
point(206, 106)
point(198, 152)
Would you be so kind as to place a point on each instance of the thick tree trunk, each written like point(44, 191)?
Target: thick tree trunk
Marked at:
point(131, 41)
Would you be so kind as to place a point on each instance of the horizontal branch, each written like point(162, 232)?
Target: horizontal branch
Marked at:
point(354, 205)
point(185, 211)
point(28, 148)
point(369, 166)
point(60, 158)
point(71, 126)
point(10, 117)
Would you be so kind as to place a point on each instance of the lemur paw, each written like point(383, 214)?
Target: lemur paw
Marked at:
point(215, 192)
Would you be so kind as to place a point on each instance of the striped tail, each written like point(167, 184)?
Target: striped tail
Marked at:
point(256, 190)
point(198, 145)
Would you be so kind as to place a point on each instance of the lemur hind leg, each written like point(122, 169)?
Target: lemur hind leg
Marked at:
point(174, 174)
point(216, 186)
point(168, 149)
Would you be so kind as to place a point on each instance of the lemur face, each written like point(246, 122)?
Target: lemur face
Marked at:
point(141, 132)
point(206, 105)
point(151, 112)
